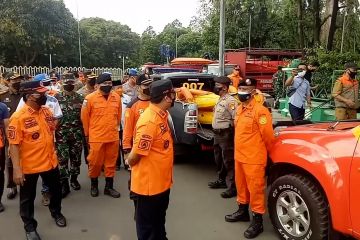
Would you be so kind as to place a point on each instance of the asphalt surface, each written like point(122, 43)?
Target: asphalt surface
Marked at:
point(195, 211)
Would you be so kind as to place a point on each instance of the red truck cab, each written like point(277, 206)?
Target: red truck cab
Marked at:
point(314, 173)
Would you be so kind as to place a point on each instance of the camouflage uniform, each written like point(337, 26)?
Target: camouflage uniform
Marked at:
point(279, 89)
point(69, 136)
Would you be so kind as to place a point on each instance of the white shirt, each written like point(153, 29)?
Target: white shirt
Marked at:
point(51, 102)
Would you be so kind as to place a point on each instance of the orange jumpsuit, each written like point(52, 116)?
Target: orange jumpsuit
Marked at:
point(101, 120)
point(254, 136)
point(132, 113)
point(235, 79)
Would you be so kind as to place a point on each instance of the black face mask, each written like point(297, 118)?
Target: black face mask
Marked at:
point(41, 100)
point(69, 87)
point(244, 97)
point(352, 75)
point(92, 82)
point(146, 91)
point(16, 86)
point(217, 90)
point(106, 89)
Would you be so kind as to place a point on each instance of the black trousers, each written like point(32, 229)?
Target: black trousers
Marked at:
point(297, 114)
point(28, 193)
point(150, 216)
point(224, 157)
point(2, 171)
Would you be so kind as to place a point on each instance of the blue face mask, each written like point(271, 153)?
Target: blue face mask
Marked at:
point(244, 96)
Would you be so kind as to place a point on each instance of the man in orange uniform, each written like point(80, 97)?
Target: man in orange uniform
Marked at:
point(32, 150)
point(151, 160)
point(101, 116)
point(235, 77)
point(346, 93)
point(254, 136)
point(134, 109)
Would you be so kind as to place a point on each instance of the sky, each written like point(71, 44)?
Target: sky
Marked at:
point(137, 14)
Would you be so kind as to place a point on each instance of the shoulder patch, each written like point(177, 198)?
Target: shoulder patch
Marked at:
point(232, 105)
point(11, 132)
point(145, 142)
point(263, 120)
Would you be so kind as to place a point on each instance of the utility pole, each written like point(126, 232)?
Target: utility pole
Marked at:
point(343, 33)
point(176, 43)
point(50, 62)
point(222, 39)
point(79, 38)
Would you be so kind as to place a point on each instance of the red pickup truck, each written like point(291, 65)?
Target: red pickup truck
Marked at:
point(314, 175)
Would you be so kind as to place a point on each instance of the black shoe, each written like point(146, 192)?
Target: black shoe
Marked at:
point(217, 184)
point(2, 207)
point(32, 236)
point(74, 183)
point(12, 193)
point(256, 227)
point(241, 215)
point(94, 187)
point(60, 220)
point(65, 188)
point(229, 193)
point(109, 189)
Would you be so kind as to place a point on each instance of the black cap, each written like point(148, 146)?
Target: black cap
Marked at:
point(68, 77)
point(160, 87)
point(223, 80)
point(143, 79)
point(248, 82)
point(351, 65)
point(103, 78)
point(32, 86)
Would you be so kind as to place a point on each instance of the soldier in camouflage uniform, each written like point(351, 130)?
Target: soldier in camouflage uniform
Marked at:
point(69, 135)
point(279, 89)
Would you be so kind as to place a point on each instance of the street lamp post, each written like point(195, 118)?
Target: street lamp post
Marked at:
point(222, 39)
point(78, 28)
point(50, 61)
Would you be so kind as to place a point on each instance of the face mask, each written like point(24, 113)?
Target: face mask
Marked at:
point(45, 84)
point(16, 86)
point(244, 96)
point(41, 100)
point(92, 82)
point(69, 87)
point(352, 75)
point(106, 89)
point(217, 90)
point(146, 91)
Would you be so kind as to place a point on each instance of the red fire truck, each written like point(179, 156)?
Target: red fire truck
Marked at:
point(260, 63)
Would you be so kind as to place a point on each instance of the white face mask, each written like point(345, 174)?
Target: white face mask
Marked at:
point(302, 74)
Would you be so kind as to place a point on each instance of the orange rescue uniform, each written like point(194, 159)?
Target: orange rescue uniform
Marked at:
point(132, 113)
point(235, 79)
point(33, 132)
point(101, 120)
point(152, 175)
point(254, 136)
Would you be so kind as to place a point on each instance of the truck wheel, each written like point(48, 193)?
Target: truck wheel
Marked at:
point(298, 209)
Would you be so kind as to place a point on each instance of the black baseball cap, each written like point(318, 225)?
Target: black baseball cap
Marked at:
point(161, 87)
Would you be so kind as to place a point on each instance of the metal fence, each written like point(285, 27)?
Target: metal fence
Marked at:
point(117, 73)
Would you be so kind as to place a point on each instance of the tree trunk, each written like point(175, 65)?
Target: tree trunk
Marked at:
point(317, 21)
point(329, 27)
point(300, 10)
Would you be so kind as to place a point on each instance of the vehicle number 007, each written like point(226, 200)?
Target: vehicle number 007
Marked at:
point(196, 86)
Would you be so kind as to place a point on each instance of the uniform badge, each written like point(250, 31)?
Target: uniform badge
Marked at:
point(11, 132)
point(35, 135)
point(163, 128)
point(263, 120)
point(141, 111)
point(232, 106)
point(30, 122)
point(145, 142)
point(166, 144)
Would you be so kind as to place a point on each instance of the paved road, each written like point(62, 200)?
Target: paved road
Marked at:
point(195, 212)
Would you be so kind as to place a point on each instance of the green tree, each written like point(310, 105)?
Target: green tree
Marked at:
point(31, 29)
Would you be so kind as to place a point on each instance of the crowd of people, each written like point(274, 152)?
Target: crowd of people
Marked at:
point(49, 120)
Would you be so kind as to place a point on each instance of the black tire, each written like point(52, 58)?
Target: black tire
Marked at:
point(301, 190)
